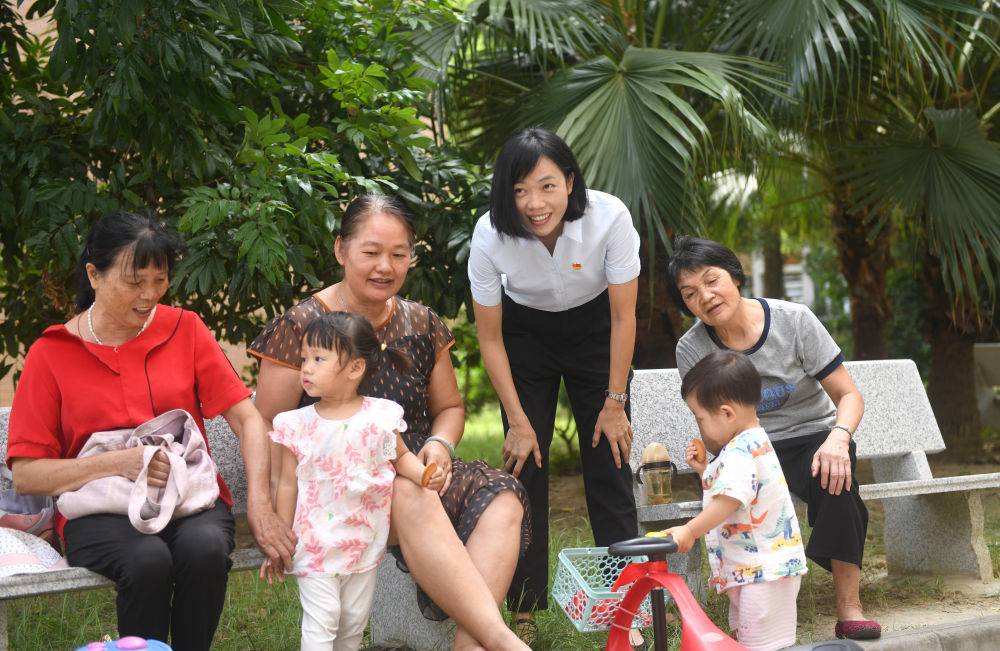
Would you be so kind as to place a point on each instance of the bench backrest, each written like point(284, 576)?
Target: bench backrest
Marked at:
point(898, 417)
point(224, 445)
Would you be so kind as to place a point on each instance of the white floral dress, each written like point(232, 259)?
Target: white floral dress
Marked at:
point(345, 479)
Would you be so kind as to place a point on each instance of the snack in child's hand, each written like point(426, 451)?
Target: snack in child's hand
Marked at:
point(428, 473)
point(700, 447)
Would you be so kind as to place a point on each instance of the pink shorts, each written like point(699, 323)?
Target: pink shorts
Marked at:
point(764, 614)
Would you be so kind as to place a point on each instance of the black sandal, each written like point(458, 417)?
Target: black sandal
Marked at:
point(526, 629)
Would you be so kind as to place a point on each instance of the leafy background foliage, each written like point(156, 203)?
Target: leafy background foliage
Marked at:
point(246, 126)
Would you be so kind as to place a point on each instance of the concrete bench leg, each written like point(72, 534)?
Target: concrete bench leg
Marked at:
point(395, 620)
point(932, 534)
point(937, 534)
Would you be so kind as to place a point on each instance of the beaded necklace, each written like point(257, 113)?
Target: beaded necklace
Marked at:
point(90, 324)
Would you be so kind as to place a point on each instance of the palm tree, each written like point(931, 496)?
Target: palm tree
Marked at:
point(647, 120)
point(656, 96)
point(896, 96)
point(938, 174)
point(905, 148)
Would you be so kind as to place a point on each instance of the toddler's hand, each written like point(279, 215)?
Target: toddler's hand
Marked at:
point(270, 571)
point(436, 482)
point(682, 536)
point(691, 456)
point(437, 454)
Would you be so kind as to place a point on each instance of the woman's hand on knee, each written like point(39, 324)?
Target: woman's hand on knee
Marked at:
point(520, 443)
point(832, 462)
point(613, 423)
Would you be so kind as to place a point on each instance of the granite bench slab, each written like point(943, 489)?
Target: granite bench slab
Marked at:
point(897, 432)
point(73, 579)
point(931, 486)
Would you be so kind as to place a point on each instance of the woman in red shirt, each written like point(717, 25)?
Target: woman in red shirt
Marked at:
point(122, 360)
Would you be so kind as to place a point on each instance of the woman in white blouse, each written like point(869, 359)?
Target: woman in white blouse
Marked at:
point(553, 269)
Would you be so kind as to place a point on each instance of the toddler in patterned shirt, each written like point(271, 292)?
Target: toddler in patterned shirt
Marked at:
point(338, 460)
point(750, 528)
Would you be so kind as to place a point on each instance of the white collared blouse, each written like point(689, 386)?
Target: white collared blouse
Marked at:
point(599, 249)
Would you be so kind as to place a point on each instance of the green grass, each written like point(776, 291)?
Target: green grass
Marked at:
point(483, 437)
point(256, 616)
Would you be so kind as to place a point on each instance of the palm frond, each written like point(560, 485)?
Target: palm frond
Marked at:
point(499, 50)
point(819, 43)
point(920, 38)
point(634, 129)
point(942, 174)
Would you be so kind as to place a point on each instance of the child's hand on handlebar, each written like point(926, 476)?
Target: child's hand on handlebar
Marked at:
point(682, 536)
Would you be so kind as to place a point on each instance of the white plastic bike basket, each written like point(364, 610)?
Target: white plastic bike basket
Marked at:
point(582, 588)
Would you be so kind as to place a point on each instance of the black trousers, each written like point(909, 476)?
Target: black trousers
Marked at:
point(171, 582)
point(574, 346)
point(839, 522)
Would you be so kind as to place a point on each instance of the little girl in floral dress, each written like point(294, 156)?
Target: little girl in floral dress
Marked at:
point(339, 458)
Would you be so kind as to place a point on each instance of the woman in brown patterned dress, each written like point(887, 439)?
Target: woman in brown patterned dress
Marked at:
point(483, 508)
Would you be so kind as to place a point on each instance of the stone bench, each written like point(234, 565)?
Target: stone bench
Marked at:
point(225, 449)
point(897, 432)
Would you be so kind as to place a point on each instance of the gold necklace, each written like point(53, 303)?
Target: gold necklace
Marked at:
point(90, 325)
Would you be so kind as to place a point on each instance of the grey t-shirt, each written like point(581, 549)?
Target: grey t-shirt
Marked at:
point(793, 354)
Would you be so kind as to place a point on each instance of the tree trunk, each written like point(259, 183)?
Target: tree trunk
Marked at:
point(774, 265)
point(951, 331)
point(658, 323)
point(864, 264)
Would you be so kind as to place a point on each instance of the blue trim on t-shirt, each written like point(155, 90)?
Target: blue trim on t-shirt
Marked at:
point(763, 335)
point(830, 368)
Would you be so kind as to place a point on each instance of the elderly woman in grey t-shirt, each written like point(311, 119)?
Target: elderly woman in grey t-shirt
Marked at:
point(809, 404)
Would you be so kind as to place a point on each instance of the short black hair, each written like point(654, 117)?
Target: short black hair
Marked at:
point(690, 253)
point(519, 155)
point(142, 236)
point(353, 337)
point(722, 376)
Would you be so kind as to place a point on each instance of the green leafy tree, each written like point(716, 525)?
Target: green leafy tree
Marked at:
point(128, 105)
point(248, 126)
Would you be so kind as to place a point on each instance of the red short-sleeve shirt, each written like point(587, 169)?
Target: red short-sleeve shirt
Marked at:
point(70, 388)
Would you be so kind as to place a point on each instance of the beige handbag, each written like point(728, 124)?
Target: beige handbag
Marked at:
point(192, 485)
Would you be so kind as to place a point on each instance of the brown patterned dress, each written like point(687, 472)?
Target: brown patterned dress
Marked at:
point(420, 333)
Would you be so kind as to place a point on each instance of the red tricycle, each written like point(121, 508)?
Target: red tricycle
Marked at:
point(637, 573)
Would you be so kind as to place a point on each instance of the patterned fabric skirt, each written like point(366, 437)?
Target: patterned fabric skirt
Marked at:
point(473, 486)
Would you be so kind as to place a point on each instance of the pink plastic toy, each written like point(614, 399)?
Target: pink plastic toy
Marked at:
point(127, 643)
